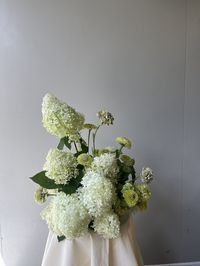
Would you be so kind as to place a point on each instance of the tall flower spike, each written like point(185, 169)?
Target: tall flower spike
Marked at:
point(60, 119)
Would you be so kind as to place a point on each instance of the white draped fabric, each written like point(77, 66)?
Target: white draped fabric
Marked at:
point(92, 250)
point(1, 261)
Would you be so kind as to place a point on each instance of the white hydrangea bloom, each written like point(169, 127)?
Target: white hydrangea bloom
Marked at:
point(107, 225)
point(60, 119)
point(60, 166)
point(106, 164)
point(97, 193)
point(66, 216)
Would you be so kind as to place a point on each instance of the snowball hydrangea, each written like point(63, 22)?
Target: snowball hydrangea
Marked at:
point(60, 166)
point(60, 119)
point(66, 216)
point(106, 164)
point(97, 193)
point(108, 225)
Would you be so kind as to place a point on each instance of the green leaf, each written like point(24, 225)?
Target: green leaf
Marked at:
point(67, 143)
point(84, 146)
point(73, 184)
point(133, 174)
point(60, 238)
point(61, 144)
point(44, 181)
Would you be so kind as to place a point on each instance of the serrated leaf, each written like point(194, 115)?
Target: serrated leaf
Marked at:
point(42, 180)
point(61, 144)
point(61, 238)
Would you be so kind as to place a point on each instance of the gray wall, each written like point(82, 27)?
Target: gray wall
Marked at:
point(140, 60)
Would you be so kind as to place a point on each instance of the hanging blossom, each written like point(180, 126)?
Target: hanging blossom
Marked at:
point(40, 195)
point(97, 193)
point(66, 215)
point(106, 118)
point(60, 166)
point(60, 119)
point(106, 164)
point(146, 175)
point(108, 225)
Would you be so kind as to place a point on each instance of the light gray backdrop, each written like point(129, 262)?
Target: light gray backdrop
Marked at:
point(140, 59)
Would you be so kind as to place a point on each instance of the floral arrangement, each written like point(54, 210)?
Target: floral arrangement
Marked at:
point(90, 188)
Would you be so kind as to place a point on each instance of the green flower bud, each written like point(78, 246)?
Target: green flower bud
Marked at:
point(84, 159)
point(128, 161)
point(89, 126)
point(40, 195)
point(124, 142)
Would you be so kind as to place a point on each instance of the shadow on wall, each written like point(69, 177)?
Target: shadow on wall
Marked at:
point(165, 233)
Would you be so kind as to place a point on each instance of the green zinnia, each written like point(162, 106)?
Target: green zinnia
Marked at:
point(124, 142)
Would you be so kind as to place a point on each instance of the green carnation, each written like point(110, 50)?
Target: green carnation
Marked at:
point(40, 195)
point(130, 195)
point(84, 159)
point(143, 192)
point(124, 142)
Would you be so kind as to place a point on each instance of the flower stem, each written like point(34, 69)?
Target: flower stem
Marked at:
point(75, 146)
point(94, 136)
point(120, 150)
point(89, 132)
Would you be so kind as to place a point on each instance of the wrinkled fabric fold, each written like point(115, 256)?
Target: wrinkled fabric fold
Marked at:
point(92, 250)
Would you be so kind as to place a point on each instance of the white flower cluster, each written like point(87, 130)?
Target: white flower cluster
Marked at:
point(60, 166)
point(66, 216)
point(146, 175)
point(106, 118)
point(106, 164)
point(107, 225)
point(60, 119)
point(101, 180)
point(97, 193)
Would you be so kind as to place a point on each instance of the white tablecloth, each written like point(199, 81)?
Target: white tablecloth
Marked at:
point(92, 250)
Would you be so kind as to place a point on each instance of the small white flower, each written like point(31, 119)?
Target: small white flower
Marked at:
point(146, 175)
point(60, 166)
point(106, 118)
